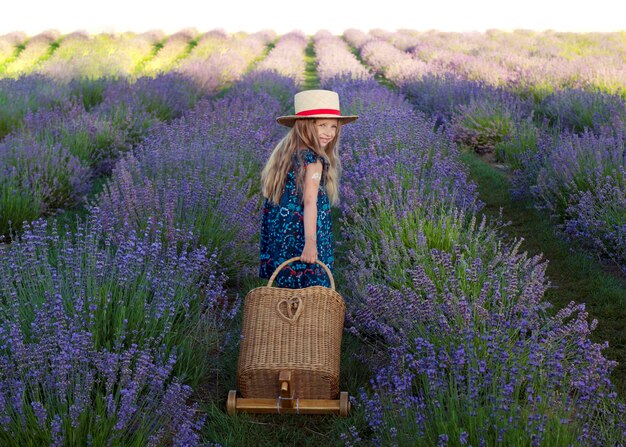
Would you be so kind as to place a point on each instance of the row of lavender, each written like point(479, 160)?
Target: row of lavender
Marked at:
point(567, 148)
point(463, 350)
point(65, 57)
point(60, 137)
point(538, 61)
point(104, 332)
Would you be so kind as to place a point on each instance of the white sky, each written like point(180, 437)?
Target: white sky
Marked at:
point(33, 16)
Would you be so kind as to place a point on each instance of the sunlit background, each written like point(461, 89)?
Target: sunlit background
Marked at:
point(336, 16)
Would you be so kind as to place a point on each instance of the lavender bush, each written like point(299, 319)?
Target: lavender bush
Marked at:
point(387, 60)
point(222, 61)
point(165, 96)
point(30, 93)
point(56, 388)
point(36, 50)
point(357, 38)
point(334, 59)
point(463, 348)
point(579, 110)
point(118, 292)
point(280, 88)
point(90, 92)
point(482, 125)
point(519, 147)
point(174, 48)
point(440, 96)
point(394, 64)
point(97, 337)
point(10, 47)
point(581, 182)
point(50, 173)
point(287, 57)
point(17, 204)
point(200, 173)
point(90, 138)
point(126, 111)
point(101, 55)
point(597, 217)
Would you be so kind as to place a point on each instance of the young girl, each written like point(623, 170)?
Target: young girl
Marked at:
point(299, 182)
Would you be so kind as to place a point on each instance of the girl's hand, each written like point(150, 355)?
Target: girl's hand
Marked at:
point(309, 254)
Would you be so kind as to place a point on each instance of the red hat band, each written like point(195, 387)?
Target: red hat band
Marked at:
point(319, 112)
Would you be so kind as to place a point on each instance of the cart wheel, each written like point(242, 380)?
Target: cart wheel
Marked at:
point(231, 403)
point(344, 404)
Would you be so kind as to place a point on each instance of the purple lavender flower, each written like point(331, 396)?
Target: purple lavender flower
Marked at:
point(287, 57)
point(334, 59)
point(453, 318)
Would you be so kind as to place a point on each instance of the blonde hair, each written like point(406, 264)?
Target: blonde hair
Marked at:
point(302, 134)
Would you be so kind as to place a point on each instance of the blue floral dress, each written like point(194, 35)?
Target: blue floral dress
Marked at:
point(282, 232)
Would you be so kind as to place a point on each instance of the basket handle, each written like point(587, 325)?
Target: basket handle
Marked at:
point(297, 258)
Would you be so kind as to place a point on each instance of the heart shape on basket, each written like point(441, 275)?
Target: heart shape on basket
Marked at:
point(290, 309)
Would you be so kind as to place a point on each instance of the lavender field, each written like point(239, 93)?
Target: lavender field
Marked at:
point(130, 217)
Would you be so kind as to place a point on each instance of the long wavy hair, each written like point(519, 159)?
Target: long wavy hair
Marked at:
point(302, 135)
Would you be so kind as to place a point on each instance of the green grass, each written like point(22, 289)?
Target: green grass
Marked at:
point(143, 62)
point(18, 49)
point(311, 80)
point(573, 275)
point(382, 80)
point(190, 46)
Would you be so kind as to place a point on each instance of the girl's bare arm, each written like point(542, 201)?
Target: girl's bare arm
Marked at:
point(312, 179)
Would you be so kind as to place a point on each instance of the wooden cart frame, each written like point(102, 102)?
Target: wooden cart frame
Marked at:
point(286, 403)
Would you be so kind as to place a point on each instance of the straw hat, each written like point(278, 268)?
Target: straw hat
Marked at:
point(315, 104)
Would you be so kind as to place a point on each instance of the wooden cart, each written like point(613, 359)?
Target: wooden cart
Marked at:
point(290, 351)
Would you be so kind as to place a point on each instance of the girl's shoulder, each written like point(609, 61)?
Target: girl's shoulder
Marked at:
point(310, 156)
point(307, 156)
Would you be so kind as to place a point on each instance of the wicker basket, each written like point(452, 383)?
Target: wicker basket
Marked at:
point(297, 330)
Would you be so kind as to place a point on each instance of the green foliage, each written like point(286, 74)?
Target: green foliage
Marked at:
point(50, 173)
point(481, 126)
point(453, 420)
point(574, 275)
point(11, 113)
point(89, 91)
point(126, 302)
point(523, 139)
point(311, 79)
point(16, 205)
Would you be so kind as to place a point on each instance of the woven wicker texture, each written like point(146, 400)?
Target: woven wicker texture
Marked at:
point(296, 330)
